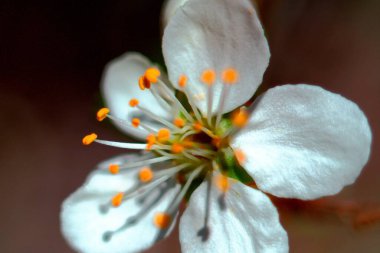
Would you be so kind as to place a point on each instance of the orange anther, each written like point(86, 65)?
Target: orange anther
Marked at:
point(88, 139)
point(141, 83)
point(222, 182)
point(144, 83)
point(117, 199)
point(151, 139)
point(240, 156)
point(152, 74)
point(230, 76)
point(163, 134)
point(133, 102)
point(208, 77)
point(102, 114)
point(179, 122)
point(240, 117)
point(162, 220)
point(182, 81)
point(177, 148)
point(113, 168)
point(135, 122)
point(146, 175)
point(197, 126)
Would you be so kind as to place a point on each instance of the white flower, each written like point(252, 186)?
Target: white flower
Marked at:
point(300, 141)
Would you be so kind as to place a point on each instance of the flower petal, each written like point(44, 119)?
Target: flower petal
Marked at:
point(120, 84)
point(85, 225)
point(304, 142)
point(232, 36)
point(244, 220)
point(169, 9)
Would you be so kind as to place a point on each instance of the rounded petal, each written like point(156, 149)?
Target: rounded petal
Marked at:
point(120, 85)
point(232, 37)
point(169, 9)
point(85, 221)
point(304, 142)
point(242, 220)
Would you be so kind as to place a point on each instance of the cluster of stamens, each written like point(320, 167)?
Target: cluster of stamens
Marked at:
point(188, 146)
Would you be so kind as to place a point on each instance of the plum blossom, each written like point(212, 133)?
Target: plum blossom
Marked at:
point(204, 146)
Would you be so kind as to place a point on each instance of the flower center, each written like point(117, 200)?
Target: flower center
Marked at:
point(190, 147)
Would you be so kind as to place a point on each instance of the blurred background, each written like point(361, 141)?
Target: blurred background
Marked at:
point(51, 58)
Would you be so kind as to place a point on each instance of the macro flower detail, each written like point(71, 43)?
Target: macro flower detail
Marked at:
point(204, 145)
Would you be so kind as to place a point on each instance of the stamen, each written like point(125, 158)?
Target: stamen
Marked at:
point(188, 133)
point(190, 156)
point(177, 200)
point(135, 122)
point(146, 175)
point(222, 182)
point(122, 144)
point(133, 102)
point(179, 122)
point(172, 171)
point(240, 118)
point(151, 139)
point(160, 99)
point(155, 117)
point(175, 100)
point(117, 199)
point(240, 156)
point(208, 77)
point(201, 152)
point(230, 76)
point(177, 148)
point(162, 220)
point(167, 155)
point(152, 74)
point(225, 91)
point(88, 139)
point(163, 135)
point(114, 168)
point(161, 177)
point(124, 122)
point(144, 83)
point(145, 162)
point(205, 231)
point(197, 126)
point(182, 82)
point(102, 114)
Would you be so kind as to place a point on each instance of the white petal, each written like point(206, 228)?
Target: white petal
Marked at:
point(84, 225)
point(120, 84)
point(232, 36)
point(248, 222)
point(304, 142)
point(169, 9)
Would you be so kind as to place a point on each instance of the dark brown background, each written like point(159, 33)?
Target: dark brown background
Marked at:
point(51, 59)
